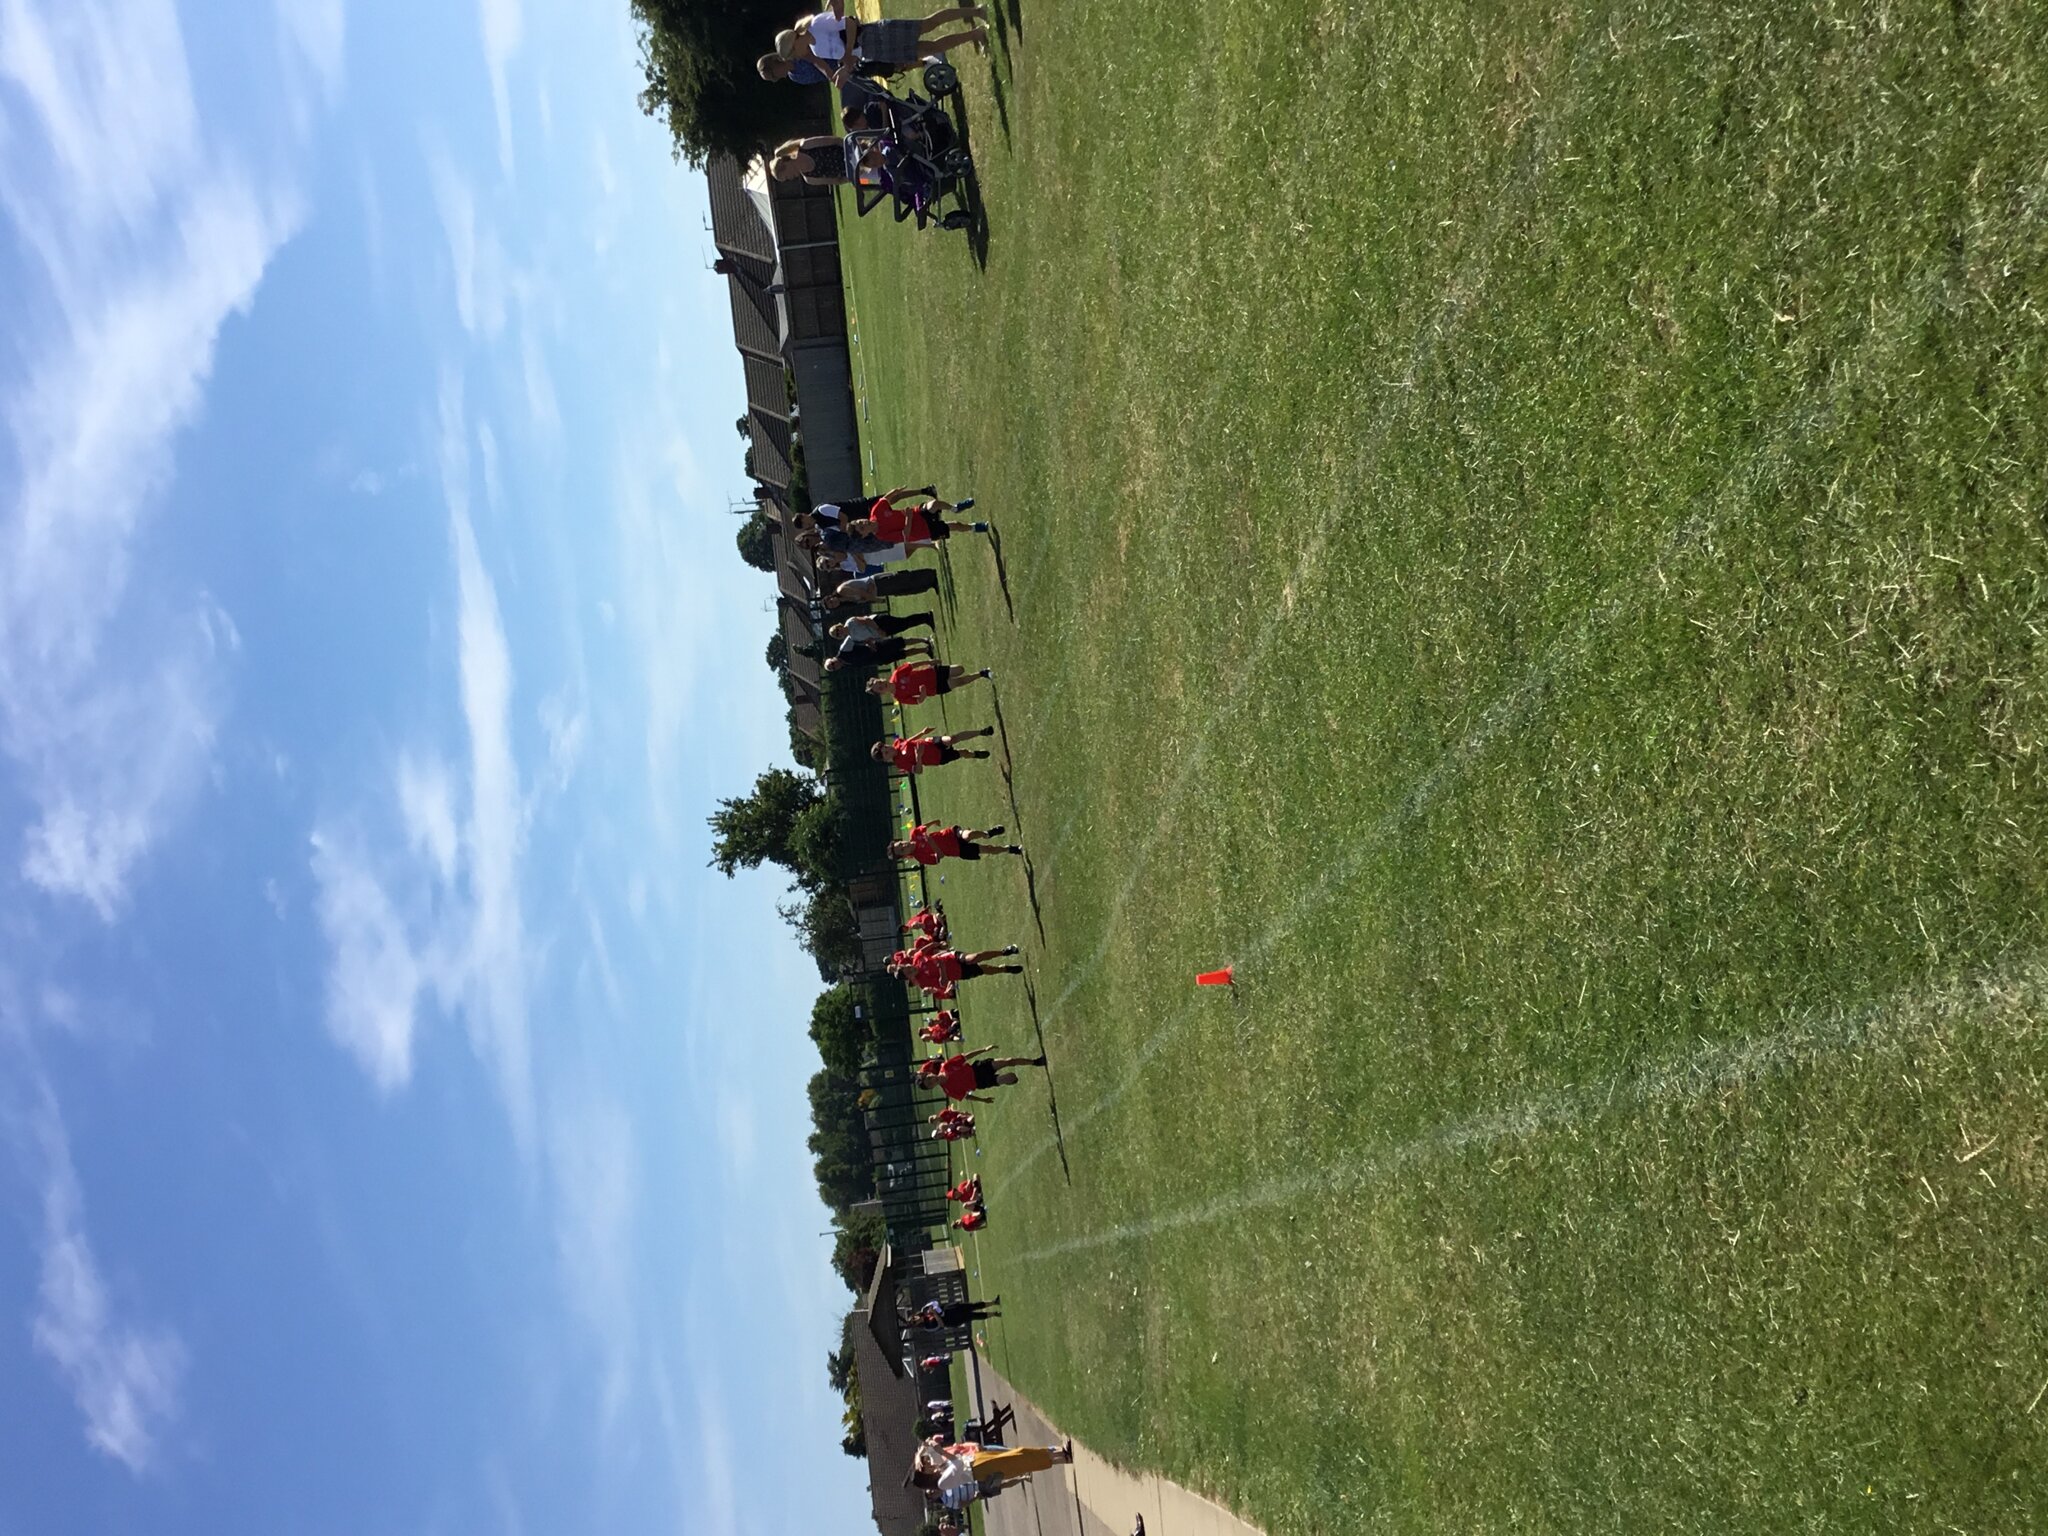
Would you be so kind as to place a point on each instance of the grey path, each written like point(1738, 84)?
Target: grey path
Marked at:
point(1092, 1497)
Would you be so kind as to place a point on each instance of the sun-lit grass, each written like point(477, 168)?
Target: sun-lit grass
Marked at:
point(1523, 528)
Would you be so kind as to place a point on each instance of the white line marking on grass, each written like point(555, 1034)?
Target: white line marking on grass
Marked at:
point(1813, 1038)
point(1464, 289)
point(1505, 714)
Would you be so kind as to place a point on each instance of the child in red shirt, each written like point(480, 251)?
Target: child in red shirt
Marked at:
point(936, 970)
point(928, 844)
point(959, 1076)
point(951, 1125)
point(966, 1192)
point(915, 681)
point(922, 523)
point(914, 754)
point(943, 1028)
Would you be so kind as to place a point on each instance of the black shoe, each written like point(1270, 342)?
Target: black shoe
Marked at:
point(963, 504)
point(995, 832)
point(929, 490)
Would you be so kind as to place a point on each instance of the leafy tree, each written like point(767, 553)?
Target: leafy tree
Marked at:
point(839, 1141)
point(760, 827)
point(698, 60)
point(814, 844)
point(840, 1034)
point(778, 652)
point(756, 540)
point(824, 924)
point(857, 1242)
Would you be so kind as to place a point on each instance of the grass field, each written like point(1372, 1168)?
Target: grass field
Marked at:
point(1522, 527)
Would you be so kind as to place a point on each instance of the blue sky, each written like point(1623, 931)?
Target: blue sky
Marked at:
point(401, 1129)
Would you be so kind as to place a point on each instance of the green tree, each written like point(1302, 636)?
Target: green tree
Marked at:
point(756, 540)
point(759, 828)
point(839, 1141)
point(840, 1033)
point(857, 1241)
point(824, 924)
point(778, 652)
point(697, 57)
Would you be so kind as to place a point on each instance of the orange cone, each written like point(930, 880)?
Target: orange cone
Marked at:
point(1220, 978)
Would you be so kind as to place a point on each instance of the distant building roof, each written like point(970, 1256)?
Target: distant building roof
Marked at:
point(888, 1405)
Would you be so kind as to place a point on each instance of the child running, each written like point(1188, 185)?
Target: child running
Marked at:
point(940, 971)
point(943, 1028)
point(951, 1124)
point(960, 1076)
point(916, 526)
point(928, 844)
point(914, 754)
point(915, 681)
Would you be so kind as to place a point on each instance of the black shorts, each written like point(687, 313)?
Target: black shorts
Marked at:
point(969, 970)
point(946, 755)
point(968, 850)
point(985, 1073)
point(936, 527)
point(944, 684)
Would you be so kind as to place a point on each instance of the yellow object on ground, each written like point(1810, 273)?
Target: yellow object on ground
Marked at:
point(1021, 1462)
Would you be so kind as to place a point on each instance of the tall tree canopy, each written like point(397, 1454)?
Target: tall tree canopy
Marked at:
point(698, 57)
point(756, 540)
point(767, 825)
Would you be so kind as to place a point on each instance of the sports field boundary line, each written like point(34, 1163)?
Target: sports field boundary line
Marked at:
point(1816, 1036)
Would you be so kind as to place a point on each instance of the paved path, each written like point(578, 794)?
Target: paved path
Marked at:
point(1092, 1498)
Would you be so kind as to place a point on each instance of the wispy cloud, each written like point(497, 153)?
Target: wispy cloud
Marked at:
point(374, 973)
point(123, 1376)
point(140, 242)
point(315, 38)
point(503, 27)
point(542, 409)
point(594, 1166)
point(482, 278)
point(455, 928)
point(666, 601)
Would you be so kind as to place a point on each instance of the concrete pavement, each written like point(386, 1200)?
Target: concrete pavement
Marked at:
point(1092, 1497)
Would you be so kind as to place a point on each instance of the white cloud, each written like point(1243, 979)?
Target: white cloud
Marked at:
point(124, 1377)
point(374, 974)
point(315, 35)
point(665, 599)
point(426, 804)
point(565, 723)
point(141, 245)
point(467, 944)
point(595, 1172)
point(542, 408)
point(482, 278)
point(496, 833)
point(503, 27)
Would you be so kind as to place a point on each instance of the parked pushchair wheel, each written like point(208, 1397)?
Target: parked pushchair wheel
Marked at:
point(941, 78)
point(959, 218)
point(956, 162)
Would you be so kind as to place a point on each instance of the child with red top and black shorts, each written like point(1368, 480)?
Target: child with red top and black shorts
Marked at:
point(921, 524)
point(928, 844)
point(960, 1076)
point(938, 971)
point(915, 681)
point(914, 754)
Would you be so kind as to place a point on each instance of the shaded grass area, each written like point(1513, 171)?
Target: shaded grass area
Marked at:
point(1524, 529)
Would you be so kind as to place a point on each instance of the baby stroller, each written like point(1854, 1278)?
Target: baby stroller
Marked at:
point(914, 162)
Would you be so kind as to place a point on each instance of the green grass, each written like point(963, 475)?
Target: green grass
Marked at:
point(1525, 527)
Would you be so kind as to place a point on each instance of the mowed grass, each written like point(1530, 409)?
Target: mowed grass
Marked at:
point(1523, 529)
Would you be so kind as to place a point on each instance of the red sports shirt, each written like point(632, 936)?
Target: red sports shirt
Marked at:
point(912, 682)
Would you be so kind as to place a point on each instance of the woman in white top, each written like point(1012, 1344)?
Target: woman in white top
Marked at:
point(839, 44)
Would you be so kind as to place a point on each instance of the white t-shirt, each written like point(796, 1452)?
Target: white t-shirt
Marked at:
point(828, 36)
